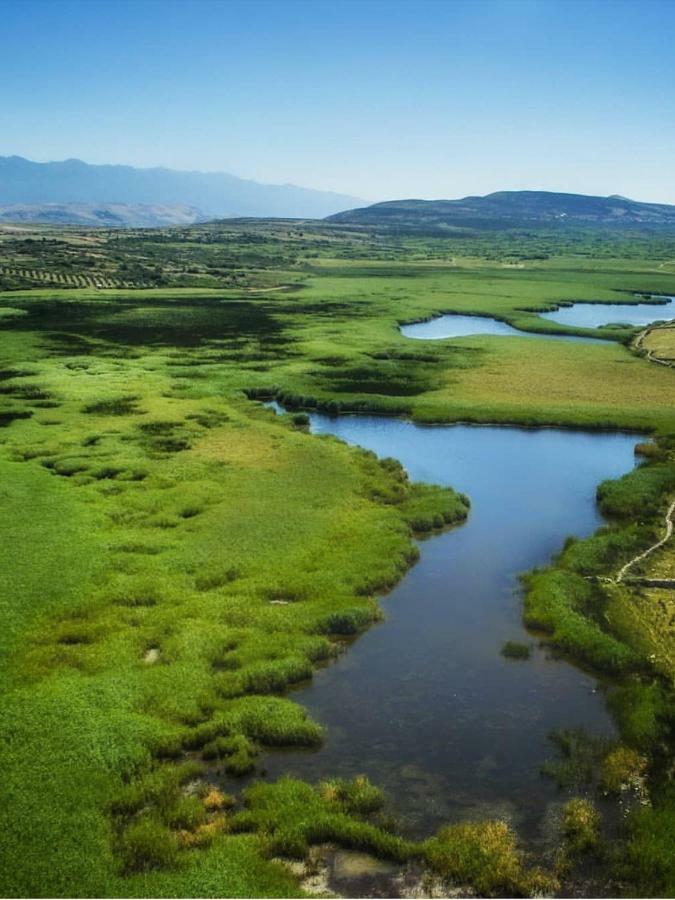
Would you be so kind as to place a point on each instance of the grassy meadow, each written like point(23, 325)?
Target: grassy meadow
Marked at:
point(174, 556)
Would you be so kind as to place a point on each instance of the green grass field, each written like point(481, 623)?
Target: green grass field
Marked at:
point(174, 556)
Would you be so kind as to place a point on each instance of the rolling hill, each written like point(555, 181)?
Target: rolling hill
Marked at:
point(512, 209)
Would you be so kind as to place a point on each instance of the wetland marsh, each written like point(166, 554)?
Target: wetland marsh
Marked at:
point(188, 562)
point(424, 703)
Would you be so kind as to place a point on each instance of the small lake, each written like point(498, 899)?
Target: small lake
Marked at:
point(594, 315)
point(424, 703)
point(452, 326)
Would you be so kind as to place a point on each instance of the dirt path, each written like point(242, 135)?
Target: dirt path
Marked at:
point(664, 539)
point(269, 290)
point(650, 353)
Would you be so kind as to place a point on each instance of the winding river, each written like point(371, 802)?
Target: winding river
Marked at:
point(424, 703)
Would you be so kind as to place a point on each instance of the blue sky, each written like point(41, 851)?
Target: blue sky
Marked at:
point(431, 98)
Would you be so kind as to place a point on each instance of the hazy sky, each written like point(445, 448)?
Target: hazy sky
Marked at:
point(377, 98)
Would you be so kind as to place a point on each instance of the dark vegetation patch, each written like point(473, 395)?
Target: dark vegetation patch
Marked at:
point(516, 650)
point(146, 321)
point(393, 380)
point(11, 415)
point(114, 406)
point(165, 437)
point(7, 374)
point(580, 756)
point(25, 391)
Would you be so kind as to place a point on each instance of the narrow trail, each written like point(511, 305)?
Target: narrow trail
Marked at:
point(645, 553)
point(669, 363)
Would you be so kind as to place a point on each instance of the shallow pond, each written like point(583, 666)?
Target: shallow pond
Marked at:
point(424, 703)
point(452, 326)
point(594, 315)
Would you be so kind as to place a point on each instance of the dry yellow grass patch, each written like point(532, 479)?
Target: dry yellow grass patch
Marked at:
point(241, 446)
point(566, 381)
point(660, 342)
point(646, 618)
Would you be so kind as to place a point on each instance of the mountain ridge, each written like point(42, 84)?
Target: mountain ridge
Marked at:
point(212, 194)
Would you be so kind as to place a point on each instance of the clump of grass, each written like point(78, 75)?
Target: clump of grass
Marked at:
point(346, 622)
point(622, 768)
point(430, 508)
point(515, 650)
point(69, 466)
point(108, 472)
point(268, 677)
point(276, 722)
point(215, 800)
point(356, 796)
point(296, 815)
point(210, 580)
point(486, 856)
point(187, 812)
point(580, 825)
point(147, 844)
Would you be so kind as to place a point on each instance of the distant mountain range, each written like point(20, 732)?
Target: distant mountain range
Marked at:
point(511, 209)
point(109, 215)
point(122, 195)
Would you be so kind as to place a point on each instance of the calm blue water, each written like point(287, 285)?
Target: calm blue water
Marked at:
point(451, 326)
point(424, 704)
point(593, 315)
